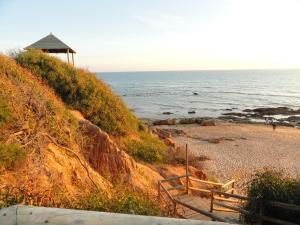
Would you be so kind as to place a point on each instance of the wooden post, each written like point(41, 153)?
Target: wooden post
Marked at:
point(211, 201)
point(72, 59)
point(232, 188)
point(68, 56)
point(187, 168)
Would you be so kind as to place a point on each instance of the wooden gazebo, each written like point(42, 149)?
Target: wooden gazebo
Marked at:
point(52, 44)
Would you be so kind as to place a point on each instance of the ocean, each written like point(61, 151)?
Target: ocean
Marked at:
point(209, 93)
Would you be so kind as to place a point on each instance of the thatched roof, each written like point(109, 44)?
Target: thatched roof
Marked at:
point(51, 44)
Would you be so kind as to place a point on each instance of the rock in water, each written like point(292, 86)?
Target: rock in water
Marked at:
point(165, 122)
point(187, 121)
point(191, 112)
point(208, 123)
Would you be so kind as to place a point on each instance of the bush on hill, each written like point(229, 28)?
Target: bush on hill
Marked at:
point(82, 91)
point(270, 185)
point(122, 201)
point(9, 154)
point(5, 113)
point(148, 148)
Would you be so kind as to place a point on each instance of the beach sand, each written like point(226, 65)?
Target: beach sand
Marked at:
point(236, 151)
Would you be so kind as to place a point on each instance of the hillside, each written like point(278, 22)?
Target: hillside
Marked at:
point(80, 90)
point(51, 156)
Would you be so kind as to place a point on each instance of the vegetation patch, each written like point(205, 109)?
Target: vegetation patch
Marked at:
point(148, 148)
point(9, 154)
point(270, 185)
point(5, 113)
point(122, 201)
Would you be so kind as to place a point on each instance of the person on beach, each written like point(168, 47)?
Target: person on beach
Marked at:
point(267, 121)
point(273, 123)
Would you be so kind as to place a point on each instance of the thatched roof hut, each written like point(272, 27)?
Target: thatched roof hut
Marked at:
point(52, 44)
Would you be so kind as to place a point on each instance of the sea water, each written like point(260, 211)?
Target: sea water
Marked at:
point(208, 93)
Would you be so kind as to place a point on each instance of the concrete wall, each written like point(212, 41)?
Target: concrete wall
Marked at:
point(27, 215)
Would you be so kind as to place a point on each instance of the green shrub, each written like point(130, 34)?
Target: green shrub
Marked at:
point(270, 185)
point(148, 148)
point(128, 202)
point(7, 199)
point(5, 113)
point(82, 91)
point(9, 154)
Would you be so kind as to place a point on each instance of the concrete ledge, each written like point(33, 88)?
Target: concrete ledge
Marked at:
point(27, 215)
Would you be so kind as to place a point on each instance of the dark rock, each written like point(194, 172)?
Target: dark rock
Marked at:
point(208, 123)
point(274, 111)
point(187, 121)
point(167, 113)
point(191, 112)
point(168, 133)
point(195, 93)
point(293, 119)
point(235, 114)
point(162, 133)
point(165, 122)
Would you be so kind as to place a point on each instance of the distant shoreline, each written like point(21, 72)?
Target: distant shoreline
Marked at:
point(281, 116)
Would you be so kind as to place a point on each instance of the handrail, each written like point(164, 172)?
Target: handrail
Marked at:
point(227, 206)
point(162, 188)
point(166, 191)
point(277, 221)
point(173, 178)
point(228, 183)
point(283, 205)
point(206, 182)
point(206, 213)
point(175, 187)
point(237, 209)
point(242, 197)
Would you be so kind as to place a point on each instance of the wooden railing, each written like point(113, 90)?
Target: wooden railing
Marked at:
point(166, 196)
point(164, 192)
point(227, 187)
point(222, 199)
point(228, 202)
point(281, 205)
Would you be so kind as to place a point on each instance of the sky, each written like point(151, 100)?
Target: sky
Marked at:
point(152, 35)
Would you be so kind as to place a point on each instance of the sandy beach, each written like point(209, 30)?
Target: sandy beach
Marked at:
point(236, 151)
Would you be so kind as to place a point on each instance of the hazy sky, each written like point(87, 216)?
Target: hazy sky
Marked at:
point(126, 35)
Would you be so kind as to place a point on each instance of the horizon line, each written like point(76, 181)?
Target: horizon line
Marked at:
point(192, 70)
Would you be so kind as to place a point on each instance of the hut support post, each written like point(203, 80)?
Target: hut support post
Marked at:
point(68, 56)
point(73, 58)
